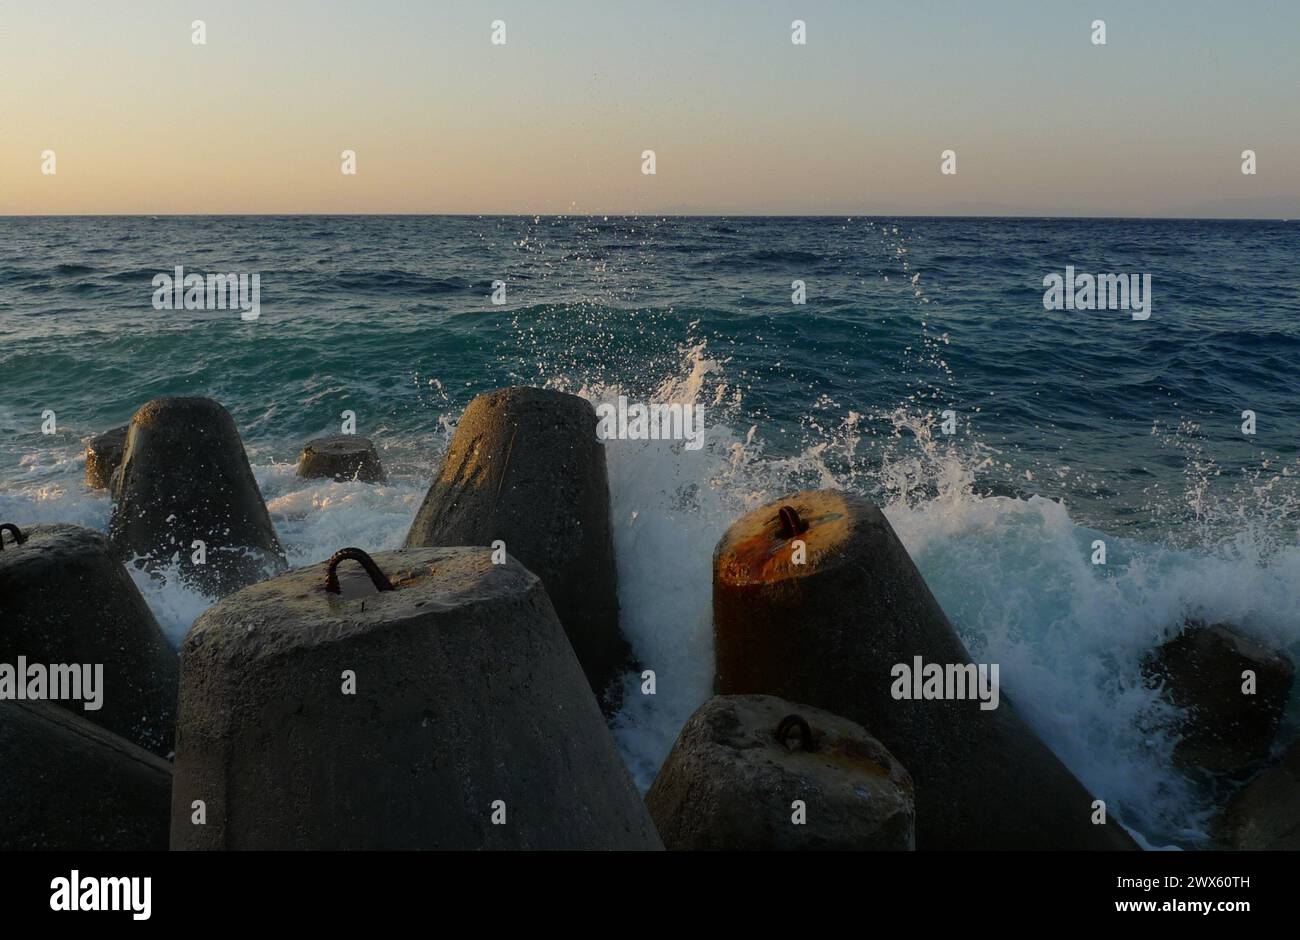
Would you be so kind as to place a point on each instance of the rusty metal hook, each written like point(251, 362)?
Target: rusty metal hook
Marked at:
point(791, 524)
point(19, 538)
point(379, 579)
point(806, 742)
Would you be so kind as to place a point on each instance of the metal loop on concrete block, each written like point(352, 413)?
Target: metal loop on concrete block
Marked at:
point(806, 742)
point(19, 538)
point(791, 524)
point(379, 579)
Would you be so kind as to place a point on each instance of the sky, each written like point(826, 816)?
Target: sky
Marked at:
point(741, 120)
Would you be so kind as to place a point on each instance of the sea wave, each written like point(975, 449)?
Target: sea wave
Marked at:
point(1072, 428)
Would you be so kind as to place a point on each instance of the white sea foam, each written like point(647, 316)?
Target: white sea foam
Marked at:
point(1014, 575)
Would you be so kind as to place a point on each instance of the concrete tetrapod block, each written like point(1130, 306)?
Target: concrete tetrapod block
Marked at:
point(1226, 730)
point(185, 477)
point(464, 693)
point(830, 632)
point(1265, 813)
point(103, 456)
point(66, 784)
point(741, 762)
point(66, 599)
point(341, 457)
point(525, 467)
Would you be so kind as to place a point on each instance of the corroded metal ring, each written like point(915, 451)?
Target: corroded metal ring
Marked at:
point(379, 579)
point(19, 538)
point(789, 722)
point(791, 524)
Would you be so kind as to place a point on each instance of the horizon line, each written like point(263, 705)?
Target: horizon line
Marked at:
point(627, 215)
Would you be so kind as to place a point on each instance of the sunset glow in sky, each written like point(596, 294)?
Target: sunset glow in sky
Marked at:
point(1043, 121)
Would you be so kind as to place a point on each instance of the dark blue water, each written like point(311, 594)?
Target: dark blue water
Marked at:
point(1070, 425)
point(365, 312)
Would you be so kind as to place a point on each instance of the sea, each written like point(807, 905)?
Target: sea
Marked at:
point(922, 368)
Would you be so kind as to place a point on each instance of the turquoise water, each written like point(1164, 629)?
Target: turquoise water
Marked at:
point(1071, 425)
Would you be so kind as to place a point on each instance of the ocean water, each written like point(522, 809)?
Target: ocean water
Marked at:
point(1071, 425)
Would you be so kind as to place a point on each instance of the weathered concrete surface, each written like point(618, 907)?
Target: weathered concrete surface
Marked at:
point(525, 467)
point(103, 456)
point(1265, 814)
point(1226, 731)
point(341, 457)
point(185, 477)
point(466, 692)
point(65, 598)
point(730, 783)
point(830, 631)
point(67, 784)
